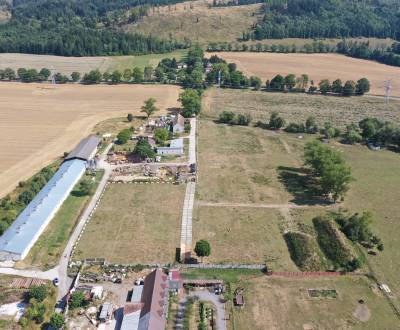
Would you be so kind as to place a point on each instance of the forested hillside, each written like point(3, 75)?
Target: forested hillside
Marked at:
point(78, 28)
point(328, 19)
point(122, 27)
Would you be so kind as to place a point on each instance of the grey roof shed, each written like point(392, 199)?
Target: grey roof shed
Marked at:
point(85, 150)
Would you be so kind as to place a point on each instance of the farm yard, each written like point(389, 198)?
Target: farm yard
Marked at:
point(135, 223)
point(317, 66)
point(55, 118)
point(285, 303)
point(67, 65)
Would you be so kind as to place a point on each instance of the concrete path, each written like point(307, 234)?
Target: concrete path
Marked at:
point(187, 212)
point(187, 215)
point(206, 295)
point(65, 281)
point(47, 275)
point(192, 141)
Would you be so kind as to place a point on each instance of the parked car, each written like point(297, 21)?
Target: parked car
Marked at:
point(56, 282)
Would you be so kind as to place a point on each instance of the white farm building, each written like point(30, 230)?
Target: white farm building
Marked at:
point(175, 148)
point(19, 238)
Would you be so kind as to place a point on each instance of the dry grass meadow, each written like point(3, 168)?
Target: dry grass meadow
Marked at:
point(284, 304)
point(239, 165)
point(317, 66)
point(296, 108)
point(38, 122)
point(67, 65)
point(135, 223)
point(242, 235)
point(198, 22)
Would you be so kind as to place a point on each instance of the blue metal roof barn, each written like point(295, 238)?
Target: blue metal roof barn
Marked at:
point(16, 242)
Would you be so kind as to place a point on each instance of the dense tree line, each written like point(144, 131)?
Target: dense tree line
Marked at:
point(389, 55)
point(78, 28)
point(328, 19)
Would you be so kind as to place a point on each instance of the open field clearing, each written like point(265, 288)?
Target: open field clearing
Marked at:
point(239, 164)
point(198, 22)
point(296, 108)
point(67, 65)
point(135, 223)
point(38, 122)
point(243, 235)
point(284, 303)
point(317, 66)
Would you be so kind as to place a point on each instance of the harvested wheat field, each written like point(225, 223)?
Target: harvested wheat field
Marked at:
point(38, 122)
point(317, 66)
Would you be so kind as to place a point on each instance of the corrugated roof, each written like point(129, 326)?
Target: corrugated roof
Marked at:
point(154, 300)
point(177, 143)
point(35, 217)
point(84, 149)
point(131, 317)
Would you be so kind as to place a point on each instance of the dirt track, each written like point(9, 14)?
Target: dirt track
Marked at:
point(317, 66)
point(38, 122)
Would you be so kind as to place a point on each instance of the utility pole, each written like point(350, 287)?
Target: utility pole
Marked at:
point(388, 89)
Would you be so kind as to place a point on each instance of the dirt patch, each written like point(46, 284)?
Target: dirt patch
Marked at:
point(362, 313)
point(38, 122)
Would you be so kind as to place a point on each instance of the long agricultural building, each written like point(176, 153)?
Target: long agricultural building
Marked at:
point(17, 240)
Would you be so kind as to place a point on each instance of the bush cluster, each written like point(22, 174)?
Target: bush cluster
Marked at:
point(228, 117)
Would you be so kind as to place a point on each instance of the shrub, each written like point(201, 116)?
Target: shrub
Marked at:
point(38, 292)
point(226, 117)
point(304, 251)
point(124, 136)
point(243, 120)
point(333, 243)
point(295, 128)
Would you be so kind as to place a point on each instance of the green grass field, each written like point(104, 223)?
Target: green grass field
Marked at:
point(47, 251)
point(129, 62)
point(135, 223)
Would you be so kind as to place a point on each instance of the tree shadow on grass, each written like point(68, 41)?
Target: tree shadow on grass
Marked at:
point(301, 185)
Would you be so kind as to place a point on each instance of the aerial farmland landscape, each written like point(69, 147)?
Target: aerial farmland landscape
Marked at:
point(228, 165)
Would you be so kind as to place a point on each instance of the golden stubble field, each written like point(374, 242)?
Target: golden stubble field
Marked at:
point(317, 66)
point(38, 122)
